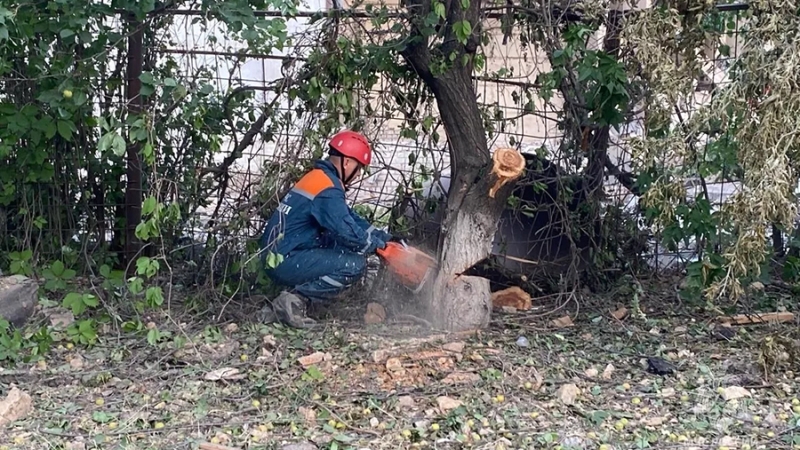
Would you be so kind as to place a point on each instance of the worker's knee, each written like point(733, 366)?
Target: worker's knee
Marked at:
point(352, 267)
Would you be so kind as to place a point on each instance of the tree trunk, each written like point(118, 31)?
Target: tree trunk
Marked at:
point(133, 174)
point(455, 302)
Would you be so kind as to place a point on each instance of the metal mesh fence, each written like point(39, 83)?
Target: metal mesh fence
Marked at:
point(404, 164)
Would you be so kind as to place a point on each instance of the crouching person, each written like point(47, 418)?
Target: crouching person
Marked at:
point(323, 242)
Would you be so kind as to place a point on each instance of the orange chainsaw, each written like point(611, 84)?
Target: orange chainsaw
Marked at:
point(411, 266)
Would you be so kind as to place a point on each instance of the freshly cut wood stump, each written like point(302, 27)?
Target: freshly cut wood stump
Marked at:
point(508, 164)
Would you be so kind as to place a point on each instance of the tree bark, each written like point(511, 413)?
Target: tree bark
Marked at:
point(133, 174)
point(455, 302)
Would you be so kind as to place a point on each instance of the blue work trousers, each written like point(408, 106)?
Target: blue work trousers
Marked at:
point(319, 274)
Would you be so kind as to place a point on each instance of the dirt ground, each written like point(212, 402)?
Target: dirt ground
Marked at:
point(526, 382)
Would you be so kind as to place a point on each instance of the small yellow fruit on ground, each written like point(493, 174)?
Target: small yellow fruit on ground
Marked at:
point(366, 411)
point(243, 357)
point(756, 419)
point(770, 434)
point(619, 426)
point(500, 398)
point(70, 346)
point(332, 423)
point(720, 390)
point(256, 403)
point(636, 400)
point(591, 435)
point(99, 402)
point(528, 385)
point(67, 93)
point(605, 447)
point(673, 437)
point(470, 423)
point(795, 402)
point(158, 425)
point(624, 420)
point(340, 425)
point(626, 386)
point(112, 425)
point(435, 427)
point(214, 440)
point(534, 415)
point(406, 433)
point(476, 437)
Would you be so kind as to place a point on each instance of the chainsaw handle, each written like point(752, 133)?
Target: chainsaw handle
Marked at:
point(389, 245)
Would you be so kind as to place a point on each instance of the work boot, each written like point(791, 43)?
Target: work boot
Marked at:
point(291, 310)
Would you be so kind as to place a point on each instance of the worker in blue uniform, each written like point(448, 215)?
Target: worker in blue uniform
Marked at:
point(323, 244)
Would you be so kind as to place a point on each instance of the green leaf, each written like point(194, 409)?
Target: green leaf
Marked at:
point(65, 129)
point(65, 33)
point(118, 145)
point(439, 9)
point(57, 268)
point(149, 205)
point(90, 300)
point(49, 128)
point(74, 302)
point(462, 29)
point(465, 4)
point(154, 296)
point(147, 78)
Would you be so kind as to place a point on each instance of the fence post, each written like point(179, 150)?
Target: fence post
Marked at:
point(133, 172)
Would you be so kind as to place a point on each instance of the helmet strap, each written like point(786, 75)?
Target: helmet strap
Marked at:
point(334, 152)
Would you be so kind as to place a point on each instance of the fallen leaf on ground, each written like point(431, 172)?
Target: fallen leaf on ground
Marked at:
point(591, 372)
point(655, 421)
point(376, 313)
point(567, 393)
point(379, 356)
point(461, 378)
point(76, 361)
point(61, 319)
point(447, 403)
point(225, 373)
point(608, 372)
point(314, 358)
point(734, 392)
point(210, 446)
point(455, 347)
point(406, 401)
point(562, 322)
point(15, 406)
point(299, 446)
point(309, 415)
point(269, 340)
point(620, 313)
point(394, 365)
point(75, 445)
point(513, 297)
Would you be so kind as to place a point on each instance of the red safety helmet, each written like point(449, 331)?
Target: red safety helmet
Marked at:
point(353, 145)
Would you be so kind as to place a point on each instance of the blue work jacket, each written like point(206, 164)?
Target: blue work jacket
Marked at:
point(314, 214)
